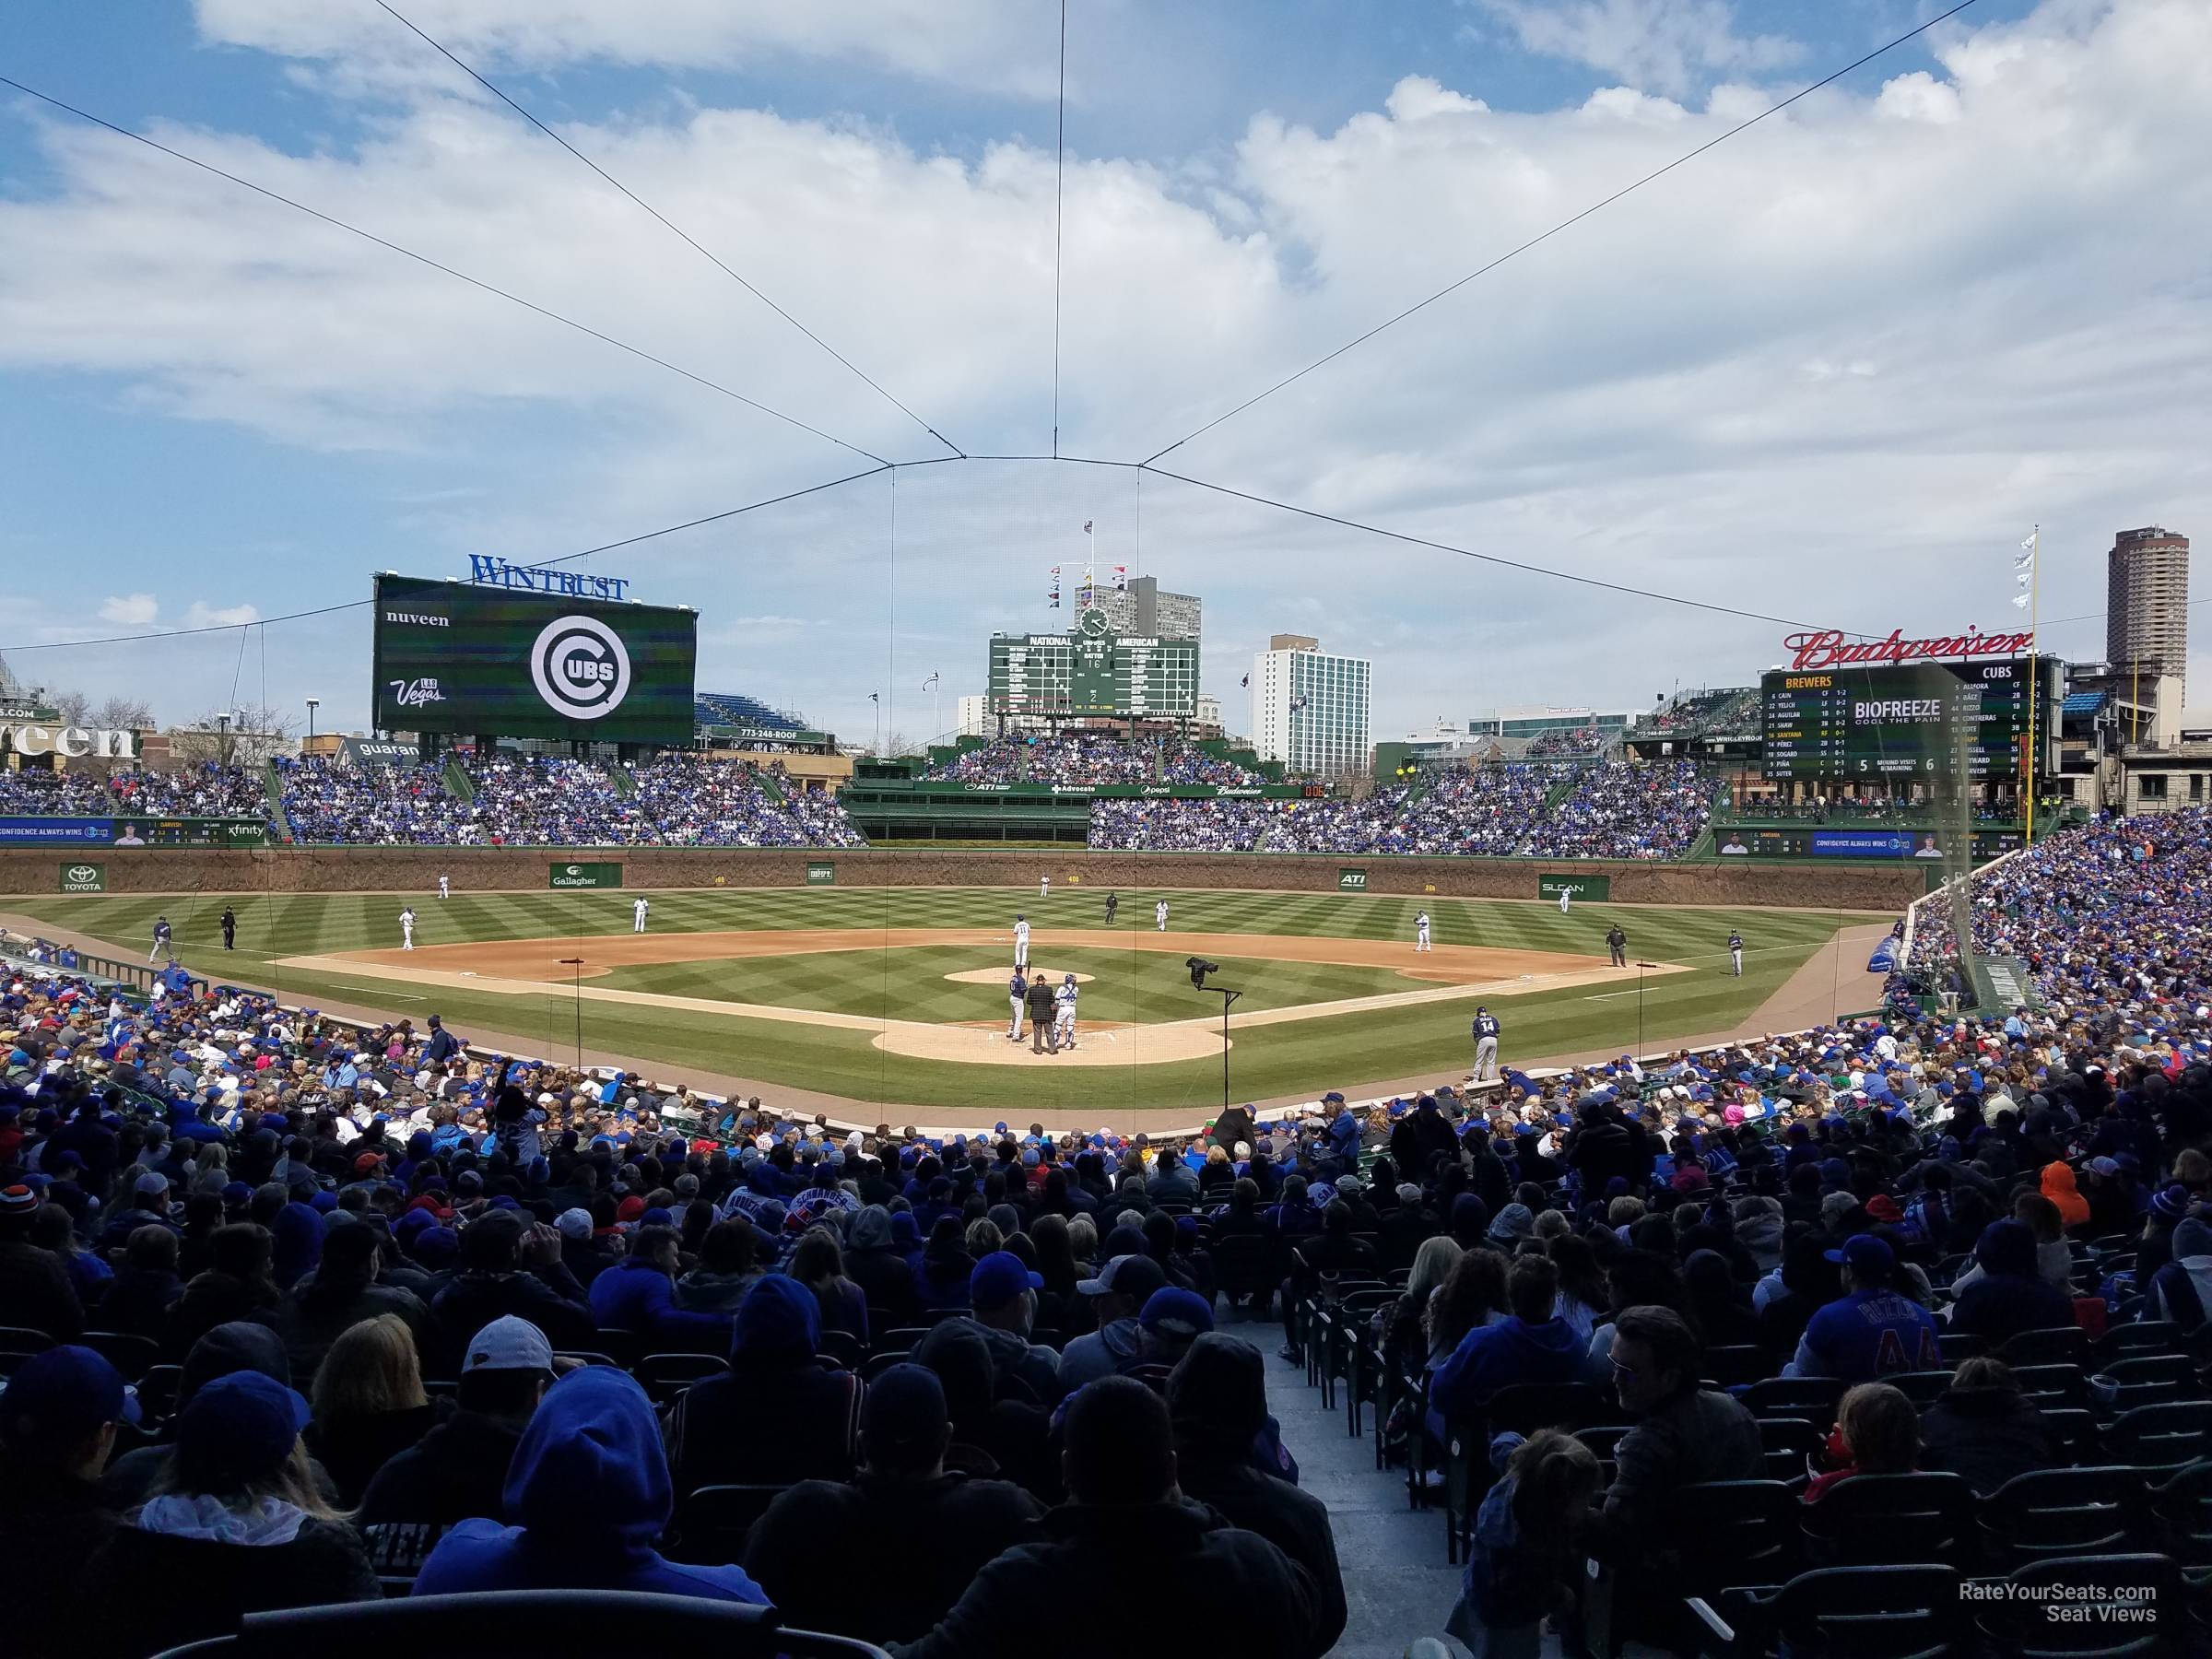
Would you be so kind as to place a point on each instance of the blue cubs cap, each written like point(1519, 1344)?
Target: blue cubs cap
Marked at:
point(242, 1426)
point(1866, 1256)
point(999, 1278)
point(1174, 1312)
point(58, 1397)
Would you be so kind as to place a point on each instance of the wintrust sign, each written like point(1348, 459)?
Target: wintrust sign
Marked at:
point(72, 743)
point(1828, 649)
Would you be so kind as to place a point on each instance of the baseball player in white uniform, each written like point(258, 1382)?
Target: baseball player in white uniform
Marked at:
point(1064, 1013)
point(1735, 952)
point(1566, 900)
point(406, 928)
point(1021, 940)
point(1420, 930)
point(445, 887)
point(1044, 886)
point(1018, 993)
point(1159, 916)
point(637, 914)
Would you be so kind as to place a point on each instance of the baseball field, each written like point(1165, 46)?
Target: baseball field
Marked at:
point(894, 1001)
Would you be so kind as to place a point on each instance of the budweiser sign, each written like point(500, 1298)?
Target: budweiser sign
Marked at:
point(1830, 649)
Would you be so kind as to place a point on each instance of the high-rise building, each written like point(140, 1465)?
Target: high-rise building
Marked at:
point(1143, 610)
point(1309, 709)
point(2146, 601)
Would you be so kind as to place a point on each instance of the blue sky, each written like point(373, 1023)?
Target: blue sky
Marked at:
point(1827, 373)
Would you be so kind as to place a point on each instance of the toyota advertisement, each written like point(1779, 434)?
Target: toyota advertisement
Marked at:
point(452, 657)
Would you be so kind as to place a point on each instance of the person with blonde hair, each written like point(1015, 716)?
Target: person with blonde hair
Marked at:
point(236, 1524)
point(369, 1404)
point(1876, 1432)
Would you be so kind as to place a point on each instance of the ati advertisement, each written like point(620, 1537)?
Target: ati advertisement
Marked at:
point(451, 658)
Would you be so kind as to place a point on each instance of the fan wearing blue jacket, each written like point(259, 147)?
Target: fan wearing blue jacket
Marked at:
point(586, 1496)
point(1532, 1345)
point(638, 1293)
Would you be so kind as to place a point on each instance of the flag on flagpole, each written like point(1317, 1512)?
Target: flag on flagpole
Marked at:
point(2020, 602)
point(2024, 577)
point(1245, 682)
point(1086, 526)
point(2023, 561)
point(2030, 542)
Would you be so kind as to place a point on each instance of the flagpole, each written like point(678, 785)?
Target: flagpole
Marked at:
point(2035, 588)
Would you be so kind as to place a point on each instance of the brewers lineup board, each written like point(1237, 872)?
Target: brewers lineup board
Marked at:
point(451, 658)
point(1094, 670)
point(1845, 723)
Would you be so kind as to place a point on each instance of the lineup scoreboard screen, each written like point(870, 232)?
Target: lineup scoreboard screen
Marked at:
point(451, 658)
point(1846, 723)
point(1094, 670)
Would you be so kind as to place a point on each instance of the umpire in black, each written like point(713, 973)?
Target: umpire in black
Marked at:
point(1040, 1015)
point(1618, 942)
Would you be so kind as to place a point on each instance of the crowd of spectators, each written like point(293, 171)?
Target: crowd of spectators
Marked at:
point(367, 1250)
point(1571, 742)
point(1616, 809)
point(1092, 757)
point(37, 792)
point(554, 801)
point(210, 789)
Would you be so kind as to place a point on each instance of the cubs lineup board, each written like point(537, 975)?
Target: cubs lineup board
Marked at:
point(1091, 670)
point(1849, 723)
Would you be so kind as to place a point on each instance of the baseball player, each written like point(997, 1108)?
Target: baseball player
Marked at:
point(1159, 916)
point(445, 889)
point(1113, 903)
point(161, 932)
point(1735, 952)
point(1021, 940)
point(1566, 900)
point(1044, 886)
point(1064, 1013)
point(229, 926)
point(1486, 1044)
point(1420, 930)
point(637, 914)
point(1017, 991)
point(406, 928)
point(1618, 942)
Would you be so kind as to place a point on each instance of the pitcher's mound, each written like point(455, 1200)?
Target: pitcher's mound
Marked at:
point(1095, 1045)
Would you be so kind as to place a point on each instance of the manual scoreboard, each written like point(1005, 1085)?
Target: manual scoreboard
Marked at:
point(1903, 721)
point(1093, 671)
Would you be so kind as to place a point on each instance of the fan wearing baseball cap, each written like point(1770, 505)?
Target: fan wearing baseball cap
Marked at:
point(1119, 1294)
point(458, 1470)
point(57, 1425)
point(1002, 1292)
point(1874, 1330)
point(902, 1506)
point(237, 1526)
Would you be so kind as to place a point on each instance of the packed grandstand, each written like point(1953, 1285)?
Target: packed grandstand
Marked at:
point(1923, 1294)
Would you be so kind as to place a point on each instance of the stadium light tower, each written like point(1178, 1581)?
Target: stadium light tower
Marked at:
point(312, 704)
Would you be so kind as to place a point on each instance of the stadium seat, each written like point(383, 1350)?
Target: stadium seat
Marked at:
point(1812, 1398)
point(1903, 1612)
point(2054, 1513)
point(1789, 1443)
point(158, 1392)
point(2161, 1437)
point(2056, 1345)
point(512, 1621)
point(130, 1355)
point(1245, 1266)
point(667, 1375)
point(2130, 1605)
point(623, 1347)
point(710, 1524)
point(1954, 1346)
point(1731, 1532)
point(1875, 1519)
point(2179, 1514)
point(2142, 1336)
point(1737, 1366)
point(1923, 1388)
point(840, 1347)
point(897, 1339)
point(19, 1339)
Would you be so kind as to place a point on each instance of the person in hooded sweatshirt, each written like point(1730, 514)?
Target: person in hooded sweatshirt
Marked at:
point(1229, 1457)
point(778, 1413)
point(2009, 1296)
point(2181, 1290)
point(1002, 1294)
point(586, 1496)
point(458, 1471)
point(2059, 1186)
point(58, 1422)
point(941, 1528)
point(1531, 1345)
point(1118, 1295)
point(1124, 1521)
point(638, 1294)
point(236, 1525)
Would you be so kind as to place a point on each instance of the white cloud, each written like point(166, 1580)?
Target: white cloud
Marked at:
point(1819, 372)
point(1671, 46)
point(129, 610)
point(201, 615)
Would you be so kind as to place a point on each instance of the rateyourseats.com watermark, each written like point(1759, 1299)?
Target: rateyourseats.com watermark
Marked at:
point(2075, 1604)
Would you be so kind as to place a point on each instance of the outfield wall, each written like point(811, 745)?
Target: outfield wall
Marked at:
point(1871, 887)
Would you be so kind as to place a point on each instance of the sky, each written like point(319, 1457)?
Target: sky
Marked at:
point(1827, 373)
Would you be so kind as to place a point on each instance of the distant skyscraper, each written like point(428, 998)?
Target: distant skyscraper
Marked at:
point(1308, 710)
point(1143, 610)
point(2147, 600)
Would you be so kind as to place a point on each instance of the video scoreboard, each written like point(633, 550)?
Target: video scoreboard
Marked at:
point(1896, 723)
